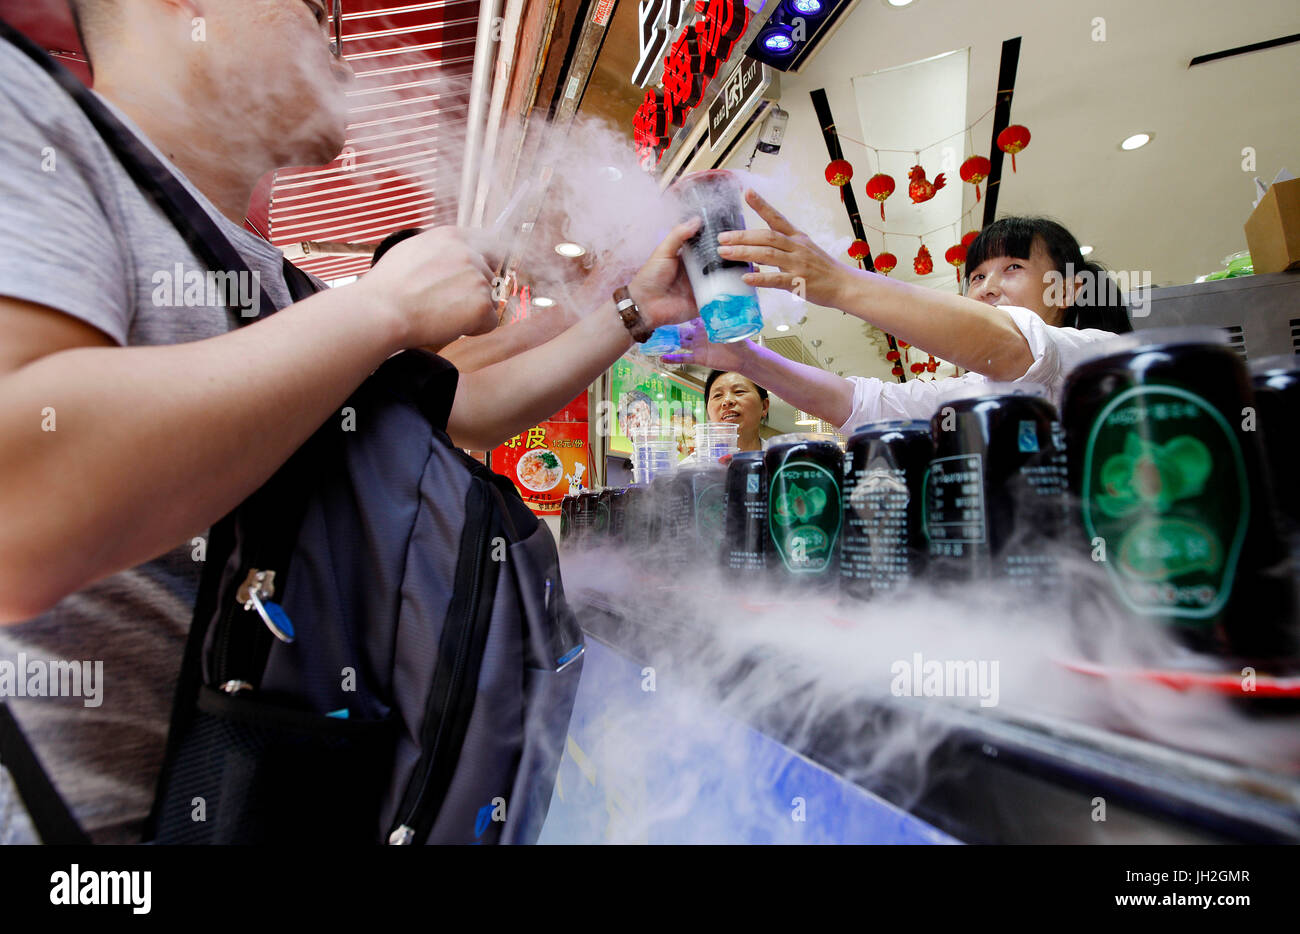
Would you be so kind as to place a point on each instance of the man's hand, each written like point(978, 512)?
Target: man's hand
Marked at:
point(805, 268)
point(660, 288)
point(696, 348)
point(438, 284)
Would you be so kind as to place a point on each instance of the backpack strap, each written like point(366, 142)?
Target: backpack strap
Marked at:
point(49, 814)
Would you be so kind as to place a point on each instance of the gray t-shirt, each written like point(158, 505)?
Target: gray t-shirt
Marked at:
point(78, 236)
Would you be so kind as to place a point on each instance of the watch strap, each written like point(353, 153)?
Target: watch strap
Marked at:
point(628, 311)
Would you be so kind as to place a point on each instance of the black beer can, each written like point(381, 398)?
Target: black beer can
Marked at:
point(599, 528)
point(566, 517)
point(1170, 477)
point(995, 494)
point(708, 510)
point(618, 515)
point(805, 515)
point(746, 513)
point(639, 520)
point(584, 515)
point(885, 465)
point(1277, 406)
point(674, 504)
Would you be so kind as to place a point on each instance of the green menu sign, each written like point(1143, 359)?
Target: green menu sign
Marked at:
point(644, 397)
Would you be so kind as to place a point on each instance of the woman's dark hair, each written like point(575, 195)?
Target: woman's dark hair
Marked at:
point(1098, 306)
point(713, 378)
point(392, 240)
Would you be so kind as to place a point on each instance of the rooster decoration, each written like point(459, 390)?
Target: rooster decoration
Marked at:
point(920, 189)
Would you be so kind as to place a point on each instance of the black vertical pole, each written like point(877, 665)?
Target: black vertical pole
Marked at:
point(1001, 120)
point(827, 123)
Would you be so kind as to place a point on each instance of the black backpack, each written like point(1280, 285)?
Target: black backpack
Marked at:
point(426, 691)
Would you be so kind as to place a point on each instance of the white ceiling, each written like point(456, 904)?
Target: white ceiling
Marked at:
point(1175, 207)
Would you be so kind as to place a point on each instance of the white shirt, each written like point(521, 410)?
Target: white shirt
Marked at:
point(1056, 351)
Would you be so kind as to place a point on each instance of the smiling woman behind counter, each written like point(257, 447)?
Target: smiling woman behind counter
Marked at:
point(737, 399)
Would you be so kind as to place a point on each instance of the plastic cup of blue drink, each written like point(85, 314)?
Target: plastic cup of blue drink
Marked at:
point(728, 305)
point(662, 340)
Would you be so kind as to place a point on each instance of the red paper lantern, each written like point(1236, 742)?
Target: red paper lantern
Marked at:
point(1013, 139)
point(839, 173)
point(885, 263)
point(917, 367)
point(880, 186)
point(892, 356)
point(897, 370)
point(923, 264)
point(859, 250)
point(967, 240)
point(974, 170)
point(932, 364)
point(904, 344)
point(956, 255)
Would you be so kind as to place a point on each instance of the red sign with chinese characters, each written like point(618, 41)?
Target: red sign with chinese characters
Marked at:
point(547, 461)
point(692, 62)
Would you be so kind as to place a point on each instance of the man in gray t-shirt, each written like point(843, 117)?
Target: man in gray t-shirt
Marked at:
point(132, 416)
point(78, 237)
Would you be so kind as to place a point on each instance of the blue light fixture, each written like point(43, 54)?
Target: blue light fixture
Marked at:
point(778, 39)
point(806, 7)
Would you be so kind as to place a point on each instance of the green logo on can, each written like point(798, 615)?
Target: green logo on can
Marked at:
point(1164, 485)
point(804, 516)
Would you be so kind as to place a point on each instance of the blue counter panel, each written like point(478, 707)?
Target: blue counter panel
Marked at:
point(647, 762)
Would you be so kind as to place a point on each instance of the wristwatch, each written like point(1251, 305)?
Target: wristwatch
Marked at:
point(627, 309)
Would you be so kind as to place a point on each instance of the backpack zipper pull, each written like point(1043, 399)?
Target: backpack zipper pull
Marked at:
point(255, 594)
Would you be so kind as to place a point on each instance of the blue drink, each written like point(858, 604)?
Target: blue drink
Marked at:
point(663, 340)
point(728, 305)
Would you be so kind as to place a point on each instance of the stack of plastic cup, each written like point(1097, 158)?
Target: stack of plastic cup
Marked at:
point(714, 440)
point(654, 454)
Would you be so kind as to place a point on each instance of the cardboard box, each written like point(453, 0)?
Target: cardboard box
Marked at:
point(1273, 229)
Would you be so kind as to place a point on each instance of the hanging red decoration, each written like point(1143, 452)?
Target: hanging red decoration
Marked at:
point(859, 250)
point(885, 263)
point(904, 344)
point(880, 186)
point(956, 255)
point(974, 170)
point(839, 173)
point(967, 240)
point(1013, 140)
point(932, 364)
point(923, 264)
point(897, 370)
point(892, 356)
point(922, 189)
point(917, 367)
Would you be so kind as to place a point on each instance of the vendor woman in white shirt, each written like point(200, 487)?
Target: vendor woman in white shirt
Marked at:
point(1012, 324)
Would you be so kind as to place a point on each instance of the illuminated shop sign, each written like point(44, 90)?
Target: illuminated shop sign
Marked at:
point(692, 61)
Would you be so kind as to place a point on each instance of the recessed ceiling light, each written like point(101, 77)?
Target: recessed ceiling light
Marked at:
point(1136, 141)
point(1085, 250)
point(570, 249)
point(898, 2)
point(541, 301)
point(783, 327)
